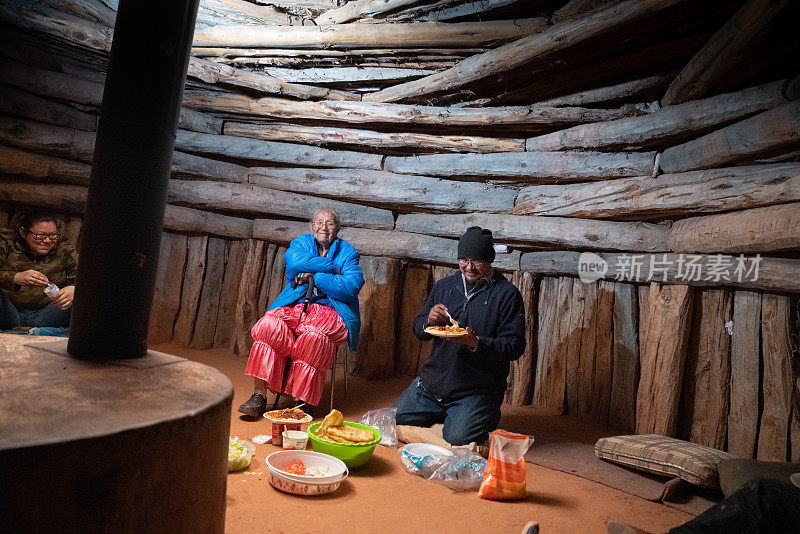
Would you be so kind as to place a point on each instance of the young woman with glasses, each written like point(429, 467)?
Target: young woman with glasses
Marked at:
point(32, 256)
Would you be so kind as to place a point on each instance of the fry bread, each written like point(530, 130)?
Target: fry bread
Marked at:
point(355, 435)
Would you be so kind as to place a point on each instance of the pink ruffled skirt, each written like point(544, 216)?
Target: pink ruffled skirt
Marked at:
point(310, 342)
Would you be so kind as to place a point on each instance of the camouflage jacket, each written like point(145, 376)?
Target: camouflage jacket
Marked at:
point(60, 266)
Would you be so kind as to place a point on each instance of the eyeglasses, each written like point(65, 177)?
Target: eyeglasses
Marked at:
point(463, 262)
point(326, 225)
point(41, 237)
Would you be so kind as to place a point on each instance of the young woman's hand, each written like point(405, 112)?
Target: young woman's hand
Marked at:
point(64, 297)
point(31, 277)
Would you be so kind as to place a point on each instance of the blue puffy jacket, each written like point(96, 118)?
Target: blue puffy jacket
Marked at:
point(338, 275)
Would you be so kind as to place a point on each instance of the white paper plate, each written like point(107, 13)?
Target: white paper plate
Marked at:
point(426, 449)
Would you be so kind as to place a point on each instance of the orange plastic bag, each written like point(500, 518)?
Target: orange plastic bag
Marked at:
point(504, 477)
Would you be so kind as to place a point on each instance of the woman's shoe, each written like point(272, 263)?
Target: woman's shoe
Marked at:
point(255, 406)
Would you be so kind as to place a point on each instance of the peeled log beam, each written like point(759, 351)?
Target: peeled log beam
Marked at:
point(21, 163)
point(180, 219)
point(538, 231)
point(375, 113)
point(418, 142)
point(188, 165)
point(626, 92)
point(211, 72)
point(69, 198)
point(189, 119)
point(554, 39)
point(662, 357)
point(732, 188)
point(765, 133)
point(665, 126)
point(573, 8)
point(99, 37)
point(359, 8)
point(775, 274)
point(49, 139)
point(56, 85)
point(272, 152)
point(76, 144)
point(727, 51)
point(539, 167)
point(18, 103)
point(755, 230)
point(392, 243)
point(360, 74)
point(412, 35)
point(253, 199)
point(59, 25)
point(386, 189)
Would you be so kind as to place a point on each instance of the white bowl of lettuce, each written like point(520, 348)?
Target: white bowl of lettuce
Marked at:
point(240, 452)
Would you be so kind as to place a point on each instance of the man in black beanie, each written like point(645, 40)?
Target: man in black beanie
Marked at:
point(463, 382)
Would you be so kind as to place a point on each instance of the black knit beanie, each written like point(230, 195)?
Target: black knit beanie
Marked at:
point(476, 243)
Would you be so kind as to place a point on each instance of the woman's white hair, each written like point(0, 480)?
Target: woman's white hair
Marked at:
point(326, 210)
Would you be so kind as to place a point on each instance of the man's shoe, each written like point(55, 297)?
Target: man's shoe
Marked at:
point(255, 406)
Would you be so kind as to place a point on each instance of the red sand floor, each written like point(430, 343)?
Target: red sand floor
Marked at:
point(382, 497)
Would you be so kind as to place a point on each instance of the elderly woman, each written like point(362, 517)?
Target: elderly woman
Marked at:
point(307, 331)
point(32, 256)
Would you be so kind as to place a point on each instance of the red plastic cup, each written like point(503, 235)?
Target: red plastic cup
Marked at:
point(277, 434)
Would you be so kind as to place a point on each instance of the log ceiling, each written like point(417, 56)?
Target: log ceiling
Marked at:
point(649, 129)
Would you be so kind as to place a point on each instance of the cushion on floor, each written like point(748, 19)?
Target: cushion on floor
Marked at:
point(653, 453)
point(736, 472)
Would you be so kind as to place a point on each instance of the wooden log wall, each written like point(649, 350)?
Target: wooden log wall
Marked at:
point(648, 196)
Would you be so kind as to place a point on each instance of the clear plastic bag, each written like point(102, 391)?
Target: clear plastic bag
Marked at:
point(458, 469)
point(505, 469)
point(383, 420)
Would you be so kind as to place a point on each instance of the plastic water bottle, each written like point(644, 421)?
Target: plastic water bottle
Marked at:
point(51, 290)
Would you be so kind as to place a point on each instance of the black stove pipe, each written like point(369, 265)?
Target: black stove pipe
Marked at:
point(130, 174)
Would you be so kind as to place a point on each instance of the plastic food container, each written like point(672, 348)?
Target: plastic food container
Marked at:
point(279, 425)
point(353, 455)
point(241, 461)
point(294, 440)
point(277, 462)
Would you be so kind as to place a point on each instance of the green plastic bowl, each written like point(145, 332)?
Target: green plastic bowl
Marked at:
point(351, 454)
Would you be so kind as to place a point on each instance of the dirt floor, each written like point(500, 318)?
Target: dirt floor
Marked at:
point(382, 497)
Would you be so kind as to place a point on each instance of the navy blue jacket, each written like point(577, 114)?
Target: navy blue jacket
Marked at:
point(497, 316)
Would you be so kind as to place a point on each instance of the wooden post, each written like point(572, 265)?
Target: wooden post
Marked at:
point(167, 299)
point(248, 310)
point(190, 292)
point(625, 358)
point(235, 253)
point(555, 300)
point(414, 290)
point(208, 305)
point(662, 358)
point(375, 357)
point(777, 384)
point(707, 372)
point(524, 369)
point(745, 372)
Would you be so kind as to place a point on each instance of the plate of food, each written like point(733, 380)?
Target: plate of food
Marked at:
point(446, 330)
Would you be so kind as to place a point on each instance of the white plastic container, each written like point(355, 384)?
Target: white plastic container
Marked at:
point(277, 462)
point(51, 290)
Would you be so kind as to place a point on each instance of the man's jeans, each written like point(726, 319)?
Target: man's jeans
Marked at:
point(465, 420)
point(50, 315)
